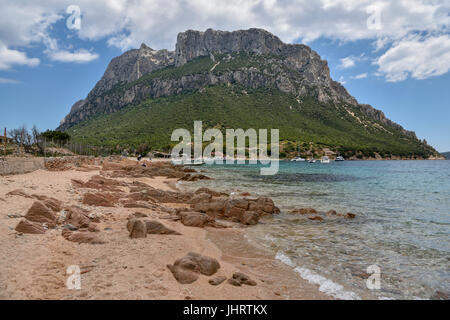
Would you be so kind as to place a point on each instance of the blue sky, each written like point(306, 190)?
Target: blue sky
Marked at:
point(401, 67)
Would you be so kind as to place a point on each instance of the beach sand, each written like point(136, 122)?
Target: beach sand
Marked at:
point(35, 266)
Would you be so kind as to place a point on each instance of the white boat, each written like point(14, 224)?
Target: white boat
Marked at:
point(340, 158)
point(325, 159)
point(312, 160)
point(298, 159)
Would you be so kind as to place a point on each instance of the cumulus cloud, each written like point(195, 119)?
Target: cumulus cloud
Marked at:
point(79, 56)
point(347, 62)
point(9, 57)
point(420, 58)
point(127, 23)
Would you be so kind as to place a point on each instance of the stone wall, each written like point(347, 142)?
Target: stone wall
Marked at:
point(20, 165)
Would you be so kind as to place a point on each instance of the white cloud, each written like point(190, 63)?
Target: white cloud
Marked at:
point(346, 63)
point(79, 56)
point(342, 80)
point(127, 23)
point(9, 81)
point(420, 58)
point(361, 76)
point(9, 57)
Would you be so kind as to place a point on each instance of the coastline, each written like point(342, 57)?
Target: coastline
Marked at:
point(35, 265)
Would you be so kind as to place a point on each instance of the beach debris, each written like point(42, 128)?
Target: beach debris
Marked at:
point(39, 212)
point(26, 226)
point(187, 269)
point(215, 281)
point(315, 218)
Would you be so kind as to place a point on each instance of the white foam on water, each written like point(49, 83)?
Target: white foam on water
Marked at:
point(325, 285)
point(285, 259)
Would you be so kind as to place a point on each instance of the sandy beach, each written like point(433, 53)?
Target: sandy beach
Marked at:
point(34, 266)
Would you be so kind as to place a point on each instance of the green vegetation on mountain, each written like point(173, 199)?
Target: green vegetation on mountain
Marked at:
point(340, 127)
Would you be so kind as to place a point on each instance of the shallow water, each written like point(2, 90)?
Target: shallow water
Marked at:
point(402, 224)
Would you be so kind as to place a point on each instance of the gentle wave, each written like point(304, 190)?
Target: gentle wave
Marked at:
point(325, 285)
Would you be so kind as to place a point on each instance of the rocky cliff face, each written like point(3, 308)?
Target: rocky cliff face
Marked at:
point(192, 44)
point(126, 68)
point(294, 69)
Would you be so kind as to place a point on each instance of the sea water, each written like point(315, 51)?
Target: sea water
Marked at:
point(402, 224)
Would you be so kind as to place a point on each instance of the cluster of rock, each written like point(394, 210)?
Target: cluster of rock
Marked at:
point(48, 213)
point(188, 269)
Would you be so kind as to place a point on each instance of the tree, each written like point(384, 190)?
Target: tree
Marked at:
point(58, 136)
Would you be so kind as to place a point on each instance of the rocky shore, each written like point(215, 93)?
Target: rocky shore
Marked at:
point(133, 235)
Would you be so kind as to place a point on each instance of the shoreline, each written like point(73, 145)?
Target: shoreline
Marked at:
point(35, 265)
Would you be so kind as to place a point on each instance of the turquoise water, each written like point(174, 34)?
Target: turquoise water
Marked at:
point(402, 224)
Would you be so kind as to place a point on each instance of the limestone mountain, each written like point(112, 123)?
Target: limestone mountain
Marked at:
point(246, 78)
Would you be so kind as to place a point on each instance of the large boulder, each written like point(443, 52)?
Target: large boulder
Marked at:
point(26, 226)
point(52, 203)
point(197, 219)
point(186, 269)
point(39, 212)
point(264, 206)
